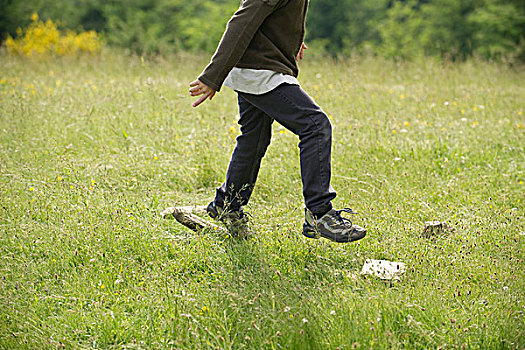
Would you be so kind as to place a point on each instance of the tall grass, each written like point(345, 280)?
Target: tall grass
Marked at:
point(92, 149)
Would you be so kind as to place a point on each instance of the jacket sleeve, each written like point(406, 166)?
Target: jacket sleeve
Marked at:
point(239, 32)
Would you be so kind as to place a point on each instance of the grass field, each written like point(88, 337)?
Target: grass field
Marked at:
point(92, 149)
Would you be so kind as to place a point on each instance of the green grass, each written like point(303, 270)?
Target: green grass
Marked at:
point(92, 149)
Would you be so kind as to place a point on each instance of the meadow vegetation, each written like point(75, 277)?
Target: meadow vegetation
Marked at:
point(93, 148)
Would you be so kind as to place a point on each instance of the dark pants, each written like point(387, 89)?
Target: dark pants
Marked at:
point(295, 110)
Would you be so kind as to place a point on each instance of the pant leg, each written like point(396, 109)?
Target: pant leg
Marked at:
point(294, 109)
point(256, 131)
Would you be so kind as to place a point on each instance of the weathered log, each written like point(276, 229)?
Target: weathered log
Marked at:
point(185, 215)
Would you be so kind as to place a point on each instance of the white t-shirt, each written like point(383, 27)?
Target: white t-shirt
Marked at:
point(256, 81)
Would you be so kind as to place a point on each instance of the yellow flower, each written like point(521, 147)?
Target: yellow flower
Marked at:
point(394, 131)
point(34, 17)
point(31, 189)
point(59, 178)
point(406, 123)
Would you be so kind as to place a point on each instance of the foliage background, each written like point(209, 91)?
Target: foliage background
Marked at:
point(451, 29)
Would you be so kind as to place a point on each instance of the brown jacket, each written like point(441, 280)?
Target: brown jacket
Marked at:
point(262, 34)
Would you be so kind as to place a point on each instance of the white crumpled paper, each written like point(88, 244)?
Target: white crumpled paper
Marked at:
point(384, 269)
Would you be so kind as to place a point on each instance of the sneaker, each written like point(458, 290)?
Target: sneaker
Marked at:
point(332, 226)
point(235, 221)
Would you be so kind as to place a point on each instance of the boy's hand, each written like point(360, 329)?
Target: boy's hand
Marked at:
point(199, 88)
point(300, 55)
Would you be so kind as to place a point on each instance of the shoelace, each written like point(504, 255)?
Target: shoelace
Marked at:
point(342, 219)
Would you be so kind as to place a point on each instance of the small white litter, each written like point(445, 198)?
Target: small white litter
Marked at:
point(384, 269)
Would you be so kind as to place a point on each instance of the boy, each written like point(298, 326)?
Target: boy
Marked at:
point(257, 57)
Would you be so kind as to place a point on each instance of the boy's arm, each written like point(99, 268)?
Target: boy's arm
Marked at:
point(239, 32)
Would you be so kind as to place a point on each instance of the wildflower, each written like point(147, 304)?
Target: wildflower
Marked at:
point(305, 320)
point(155, 157)
point(406, 123)
point(401, 96)
point(203, 310)
point(520, 112)
point(59, 178)
point(394, 131)
point(31, 189)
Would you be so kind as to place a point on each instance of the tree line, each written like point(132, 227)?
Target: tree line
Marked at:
point(452, 29)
